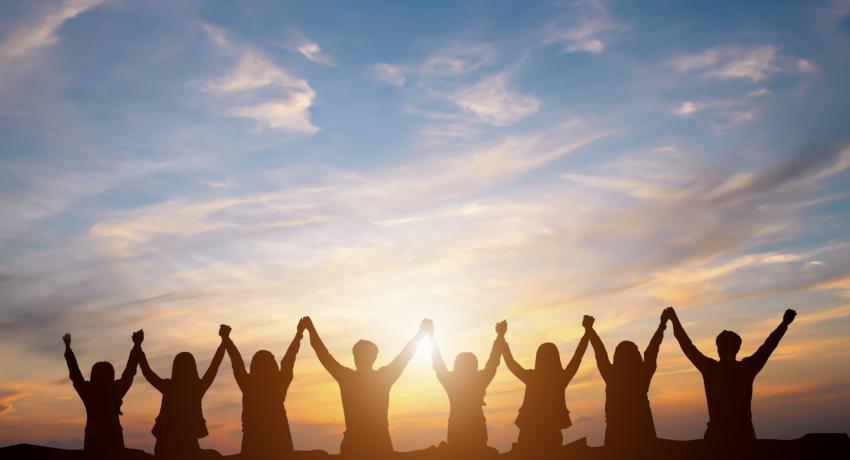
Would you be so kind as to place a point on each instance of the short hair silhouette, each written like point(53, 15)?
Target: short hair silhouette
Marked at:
point(728, 344)
point(365, 392)
point(729, 382)
point(365, 354)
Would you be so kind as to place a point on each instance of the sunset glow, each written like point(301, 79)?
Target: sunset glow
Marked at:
point(176, 165)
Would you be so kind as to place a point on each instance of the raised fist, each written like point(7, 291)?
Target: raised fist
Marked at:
point(67, 339)
point(789, 316)
point(502, 327)
point(427, 327)
point(224, 331)
point(139, 336)
point(587, 321)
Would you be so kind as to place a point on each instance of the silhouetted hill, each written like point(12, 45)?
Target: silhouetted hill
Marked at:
point(811, 446)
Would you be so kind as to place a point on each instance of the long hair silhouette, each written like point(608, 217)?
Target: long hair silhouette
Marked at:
point(543, 413)
point(181, 422)
point(466, 387)
point(628, 417)
point(265, 427)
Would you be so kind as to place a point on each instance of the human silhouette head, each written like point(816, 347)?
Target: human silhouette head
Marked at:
point(365, 354)
point(184, 371)
point(627, 356)
point(102, 373)
point(466, 364)
point(548, 358)
point(728, 344)
point(263, 365)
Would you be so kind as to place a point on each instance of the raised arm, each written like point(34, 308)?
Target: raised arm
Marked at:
point(699, 360)
point(650, 355)
point(439, 365)
point(287, 364)
point(330, 364)
point(492, 365)
point(236, 362)
point(73, 368)
point(575, 362)
point(126, 379)
point(394, 369)
point(516, 369)
point(603, 363)
point(759, 358)
point(149, 374)
point(212, 371)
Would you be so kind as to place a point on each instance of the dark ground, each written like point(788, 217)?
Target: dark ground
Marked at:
point(810, 446)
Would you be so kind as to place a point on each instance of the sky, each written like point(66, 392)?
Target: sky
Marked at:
point(175, 165)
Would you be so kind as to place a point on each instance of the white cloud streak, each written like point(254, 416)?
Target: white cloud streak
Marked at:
point(583, 28)
point(28, 39)
point(288, 109)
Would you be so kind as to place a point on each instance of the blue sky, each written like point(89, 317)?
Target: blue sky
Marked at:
point(174, 165)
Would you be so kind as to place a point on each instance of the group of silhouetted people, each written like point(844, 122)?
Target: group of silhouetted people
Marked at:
point(365, 394)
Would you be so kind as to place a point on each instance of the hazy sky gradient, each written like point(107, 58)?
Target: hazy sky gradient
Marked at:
point(174, 165)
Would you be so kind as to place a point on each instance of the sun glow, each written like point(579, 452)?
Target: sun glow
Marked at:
point(424, 346)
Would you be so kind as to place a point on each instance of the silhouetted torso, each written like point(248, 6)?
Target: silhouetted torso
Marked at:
point(544, 403)
point(729, 393)
point(467, 426)
point(729, 383)
point(627, 413)
point(180, 413)
point(265, 426)
point(365, 402)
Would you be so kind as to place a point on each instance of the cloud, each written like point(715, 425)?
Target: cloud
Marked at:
point(491, 101)
point(583, 28)
point(393, 74)
point(286, 107)
point(312, 51)
point(26, 40)
point(290, 114)
point(6, 398)
point(726, 113)
point(755, 63)
point(458, 90)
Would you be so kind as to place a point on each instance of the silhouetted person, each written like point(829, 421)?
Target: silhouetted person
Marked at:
point(365, 392)
point(466, 387)
point(544, 413)
point(180, 422)
point(102, 397)
point(628, 416)
point(265, 428)
point(729, 382)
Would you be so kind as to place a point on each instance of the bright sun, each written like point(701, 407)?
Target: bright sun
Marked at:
point(424, 345)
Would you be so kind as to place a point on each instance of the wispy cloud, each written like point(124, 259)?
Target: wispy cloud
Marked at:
point(393, 74)
point(26, 40)
point(583, 28)
point(491, 101)
point(755, 63)
point(288, 108)
point(312, 51)
point(465, 76)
